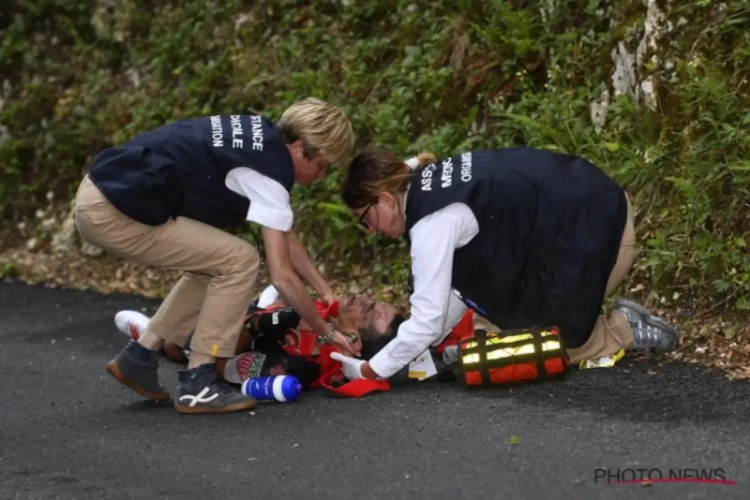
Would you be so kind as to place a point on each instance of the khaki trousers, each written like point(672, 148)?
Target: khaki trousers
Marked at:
point(210, 300)
point(611, 333)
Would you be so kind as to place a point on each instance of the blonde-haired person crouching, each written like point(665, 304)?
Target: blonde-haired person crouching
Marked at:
point(166, 198)
point(522, 236)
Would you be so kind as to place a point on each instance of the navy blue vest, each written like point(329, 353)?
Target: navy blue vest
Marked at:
point(550, 227)
point(179, 169)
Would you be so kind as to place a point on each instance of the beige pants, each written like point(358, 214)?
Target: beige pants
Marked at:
point(610, 334)
point(210, 300)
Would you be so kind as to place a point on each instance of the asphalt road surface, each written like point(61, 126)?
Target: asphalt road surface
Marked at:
point(68, 431)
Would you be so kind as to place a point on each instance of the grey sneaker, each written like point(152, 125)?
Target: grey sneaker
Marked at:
point(649, 331)
point(137, 368)
point(201, 391)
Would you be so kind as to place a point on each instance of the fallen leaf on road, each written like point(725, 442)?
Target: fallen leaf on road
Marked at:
point(514, 440)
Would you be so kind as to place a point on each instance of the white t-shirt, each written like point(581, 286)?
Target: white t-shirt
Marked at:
point(435, 308)
point(269, 201)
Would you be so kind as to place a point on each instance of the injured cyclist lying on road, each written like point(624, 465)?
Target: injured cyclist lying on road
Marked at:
point(274, 341)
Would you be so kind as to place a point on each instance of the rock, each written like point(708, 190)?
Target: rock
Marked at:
point(623, 78)
point(654, 28)
point(648, 91)
point(599, 111)
point(626, 77)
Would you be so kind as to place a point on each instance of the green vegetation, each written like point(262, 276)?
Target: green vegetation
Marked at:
point(8, 270)
point(442, 76)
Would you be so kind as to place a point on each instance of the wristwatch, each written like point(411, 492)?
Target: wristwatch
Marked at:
point(328, 337)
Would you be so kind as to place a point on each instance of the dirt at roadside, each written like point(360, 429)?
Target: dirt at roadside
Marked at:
point(708, 339)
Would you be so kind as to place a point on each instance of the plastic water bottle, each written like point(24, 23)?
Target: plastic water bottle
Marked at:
point(279, 388)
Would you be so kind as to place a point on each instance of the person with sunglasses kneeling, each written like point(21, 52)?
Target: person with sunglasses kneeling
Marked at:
point(521, 236)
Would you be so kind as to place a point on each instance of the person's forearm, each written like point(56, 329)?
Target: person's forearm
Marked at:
point(399, 352)
point(287, 282)
point(293, 291)
point(368, 372)
point(304, 267)
point(414, 336)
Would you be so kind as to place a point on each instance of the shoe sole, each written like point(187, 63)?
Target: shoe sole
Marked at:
point(114, 370)
point(191, 410)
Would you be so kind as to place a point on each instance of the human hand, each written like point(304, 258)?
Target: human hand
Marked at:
point(351, 367)
point(355, 342)
point(345, 345)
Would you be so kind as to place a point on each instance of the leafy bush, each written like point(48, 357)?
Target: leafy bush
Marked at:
point(446, 77)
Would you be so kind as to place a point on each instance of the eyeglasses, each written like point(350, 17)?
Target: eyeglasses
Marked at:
point(361, 220)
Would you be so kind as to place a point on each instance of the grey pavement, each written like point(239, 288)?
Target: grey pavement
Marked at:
point(68, 431)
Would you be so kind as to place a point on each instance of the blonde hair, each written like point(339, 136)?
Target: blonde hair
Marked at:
point(375, 171)
point(324, 129)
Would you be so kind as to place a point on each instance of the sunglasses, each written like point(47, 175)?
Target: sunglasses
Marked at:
point(361, 219)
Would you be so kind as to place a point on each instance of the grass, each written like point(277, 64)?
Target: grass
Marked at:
point(445, 77)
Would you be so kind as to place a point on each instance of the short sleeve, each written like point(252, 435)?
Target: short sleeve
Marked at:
point(269, 201)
